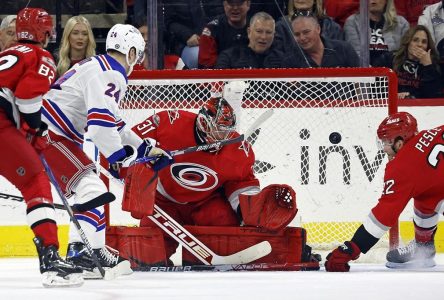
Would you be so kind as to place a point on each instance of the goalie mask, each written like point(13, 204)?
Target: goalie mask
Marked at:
point(216, 121)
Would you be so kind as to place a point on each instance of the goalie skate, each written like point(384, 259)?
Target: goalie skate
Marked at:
point(55, 271)
point(414, 255)
point(109, 259)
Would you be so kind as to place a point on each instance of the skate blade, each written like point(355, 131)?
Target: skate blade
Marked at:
point(52, 280)
point(414, 264)
point(123, 268)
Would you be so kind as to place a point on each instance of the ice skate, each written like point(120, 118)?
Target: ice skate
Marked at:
point(109, 259)
point(414, 255)
point(56, 272)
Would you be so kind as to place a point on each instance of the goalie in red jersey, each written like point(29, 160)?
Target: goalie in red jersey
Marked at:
point(26, 72)
point(215, 187)
point(410, 154)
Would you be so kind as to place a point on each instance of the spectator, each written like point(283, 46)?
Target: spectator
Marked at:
point(256, 53)
point(412, 9)
point(77, 43)
point(224, 32)
point(170, 61)
point(416, 64)
point(7, 32)
point(274, 8)
point(185, 20)
point(433, 19)
point(329, 28)
point(387, 29)
point(316, 51)
point(341, 10)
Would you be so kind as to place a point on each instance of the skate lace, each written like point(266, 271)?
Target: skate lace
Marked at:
point(409, 249)
point(110, 255)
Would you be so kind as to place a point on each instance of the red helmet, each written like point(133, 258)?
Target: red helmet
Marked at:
point(401, 124)
point(33, 24)
point(216, 120)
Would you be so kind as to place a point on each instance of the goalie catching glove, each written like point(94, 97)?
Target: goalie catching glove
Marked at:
point(162, 159)
point(272, 209)
point(338, 259)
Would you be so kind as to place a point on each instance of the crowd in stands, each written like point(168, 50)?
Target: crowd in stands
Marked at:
point(405, 35)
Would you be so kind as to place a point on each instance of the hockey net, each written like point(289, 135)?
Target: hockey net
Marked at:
point(321, 138)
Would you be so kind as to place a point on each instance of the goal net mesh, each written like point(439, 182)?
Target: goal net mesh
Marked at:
point(321, 139)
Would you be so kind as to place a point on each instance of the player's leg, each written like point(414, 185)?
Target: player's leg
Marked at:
point(75, 173)
point(420, 252)
point(21, 166)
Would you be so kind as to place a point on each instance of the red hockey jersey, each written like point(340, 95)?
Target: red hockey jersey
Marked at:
point(196, 176)
point(26, 73)
point(417, 172)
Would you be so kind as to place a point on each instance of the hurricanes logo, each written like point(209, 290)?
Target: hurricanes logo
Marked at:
point(194, 177)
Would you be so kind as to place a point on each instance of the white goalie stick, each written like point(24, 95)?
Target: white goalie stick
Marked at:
point(261, 119)
point(105, 275)
point(199, 250)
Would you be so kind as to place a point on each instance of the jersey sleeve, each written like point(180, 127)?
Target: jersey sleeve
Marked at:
point(247, 183)
point(102, 94)
point(397, 192)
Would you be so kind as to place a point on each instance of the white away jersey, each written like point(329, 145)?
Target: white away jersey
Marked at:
point(86, 98)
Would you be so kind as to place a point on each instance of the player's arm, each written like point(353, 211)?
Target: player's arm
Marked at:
point(396, 194)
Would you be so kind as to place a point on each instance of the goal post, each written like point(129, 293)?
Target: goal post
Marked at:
point(321, 139)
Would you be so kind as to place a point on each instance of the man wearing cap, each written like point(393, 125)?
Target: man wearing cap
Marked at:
point(224, 32)
point(7, 32)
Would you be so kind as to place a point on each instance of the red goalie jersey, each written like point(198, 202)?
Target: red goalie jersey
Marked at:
point(195, 177)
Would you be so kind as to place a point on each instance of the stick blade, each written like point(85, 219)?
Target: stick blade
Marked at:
point(245, 256)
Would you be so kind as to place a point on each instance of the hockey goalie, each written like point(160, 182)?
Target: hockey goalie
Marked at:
point(213, 193)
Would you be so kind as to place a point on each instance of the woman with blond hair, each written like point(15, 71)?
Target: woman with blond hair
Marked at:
point(329, 29)
point(77, 43)
point(416, 63)
point(386, 29)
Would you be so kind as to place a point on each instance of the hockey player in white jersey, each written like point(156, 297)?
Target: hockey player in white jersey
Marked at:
point(86, 98)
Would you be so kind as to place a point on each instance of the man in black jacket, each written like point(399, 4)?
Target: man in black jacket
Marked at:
point(257, 53)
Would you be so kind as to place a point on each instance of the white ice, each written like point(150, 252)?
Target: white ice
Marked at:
point(20, 279)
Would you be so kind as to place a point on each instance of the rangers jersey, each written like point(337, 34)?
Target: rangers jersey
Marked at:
point(196, 176)
point(417, 172)
point(86, 98)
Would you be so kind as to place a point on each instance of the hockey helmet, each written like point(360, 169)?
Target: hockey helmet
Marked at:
point(401, 124)
point(123, 37)
point(34, 24)
point(216, 120)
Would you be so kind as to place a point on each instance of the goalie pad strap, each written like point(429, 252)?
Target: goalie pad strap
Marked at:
point(272, 209)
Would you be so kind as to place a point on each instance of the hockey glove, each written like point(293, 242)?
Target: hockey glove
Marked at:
point(337, 260)
point(119, 168)
point(36, 137)
point(162, 159)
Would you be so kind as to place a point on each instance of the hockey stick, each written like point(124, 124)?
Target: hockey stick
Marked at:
point(303, 266)
point(261, 119)
point(199, 250)
point(105, 275)
point(187, 240)
point(21, 199)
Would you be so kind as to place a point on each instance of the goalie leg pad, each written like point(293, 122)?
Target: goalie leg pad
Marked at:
point(272, 209)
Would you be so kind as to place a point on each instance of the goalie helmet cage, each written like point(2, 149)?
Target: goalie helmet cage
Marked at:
point(321, 139)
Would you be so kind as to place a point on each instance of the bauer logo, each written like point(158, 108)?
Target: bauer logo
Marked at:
point(194, 177)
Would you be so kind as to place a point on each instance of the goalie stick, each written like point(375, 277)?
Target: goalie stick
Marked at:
point(261, 119)
point(105, 275)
